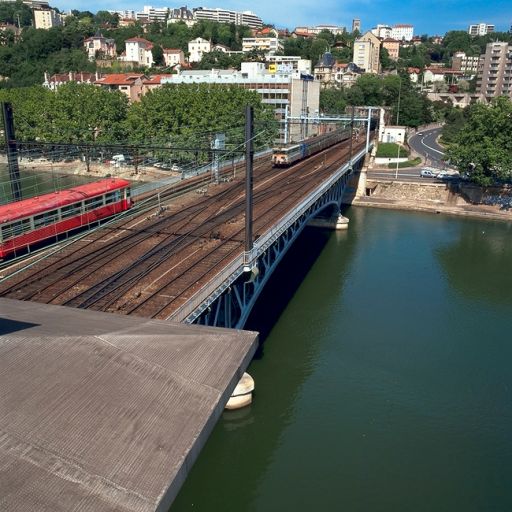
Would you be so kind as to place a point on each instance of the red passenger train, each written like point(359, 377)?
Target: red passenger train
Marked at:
point(30, 221)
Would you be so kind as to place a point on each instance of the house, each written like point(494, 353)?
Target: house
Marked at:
point(55, 81)
point(197, 47)
point(392, 46)
point(154, 82)
point(434, 74)
point(100, 47)
point(414, 74)
point(138, 51)
point(131, 84)
point(173, 56)
point(220, 48)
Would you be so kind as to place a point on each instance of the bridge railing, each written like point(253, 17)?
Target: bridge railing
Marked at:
point(223, 279)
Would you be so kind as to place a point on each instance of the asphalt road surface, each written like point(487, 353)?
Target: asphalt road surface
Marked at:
point(425, 144)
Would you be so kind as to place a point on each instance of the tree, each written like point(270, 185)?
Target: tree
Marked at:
point(332, 101)
point(482, 147)
point(158, 55)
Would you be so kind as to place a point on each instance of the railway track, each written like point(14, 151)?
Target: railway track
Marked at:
point(149, 266)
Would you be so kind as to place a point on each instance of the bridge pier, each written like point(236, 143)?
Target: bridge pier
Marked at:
point(337, 222)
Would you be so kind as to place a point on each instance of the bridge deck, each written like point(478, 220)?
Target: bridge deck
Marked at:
point(102, 412)
point(151, 265)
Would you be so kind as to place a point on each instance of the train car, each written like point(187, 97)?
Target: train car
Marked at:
point(30, 221)
point(287, 155)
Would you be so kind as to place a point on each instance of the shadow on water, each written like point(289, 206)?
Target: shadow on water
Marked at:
point(285, 281)
point(238, 454)
point(479, 248)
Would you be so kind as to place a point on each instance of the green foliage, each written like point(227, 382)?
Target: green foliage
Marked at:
point(333, 101)
point(483, 146)
point(221, 60)
point(158, 55)
point(454, 122)
point(408, 163)
point(14, 13)
point(390, 150)
point(181, 112)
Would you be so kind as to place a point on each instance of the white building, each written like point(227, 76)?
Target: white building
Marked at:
point(382, 31)
point(153, 14)
point(480, 29)
point(197, 48)
point(301, 96)
point(319, 28)
point(224, 16)
point(100, 46)
point(181, 14)
point(402, 32)
point(269, 45)
point(173, 56)
point(124, 15)
point(278, 64)
point(138, 51)
point(47, 18)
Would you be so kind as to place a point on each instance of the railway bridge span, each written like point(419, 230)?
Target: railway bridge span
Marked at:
point(185, 260)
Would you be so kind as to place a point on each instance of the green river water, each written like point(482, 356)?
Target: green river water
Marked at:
point(385, 378)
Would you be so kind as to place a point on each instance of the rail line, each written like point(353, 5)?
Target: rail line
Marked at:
point(151, 266)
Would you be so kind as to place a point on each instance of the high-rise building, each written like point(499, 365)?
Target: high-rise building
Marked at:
point(366, 53)
point(294, 92)
point(480, 29)
point(47, 18)
point(356, 25)
point(495, 73)
point(462, 62)
point(224, 16)
point(402, 32)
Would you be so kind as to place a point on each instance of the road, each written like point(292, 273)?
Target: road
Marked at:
point(425, 144)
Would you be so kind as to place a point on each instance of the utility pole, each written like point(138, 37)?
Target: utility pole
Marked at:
point(351, 132)
point(249, 157)
point(12, 151)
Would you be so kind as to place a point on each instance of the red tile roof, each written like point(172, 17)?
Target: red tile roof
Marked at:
point(120, 79)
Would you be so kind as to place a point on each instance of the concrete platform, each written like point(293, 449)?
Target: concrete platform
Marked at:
point(101, 412)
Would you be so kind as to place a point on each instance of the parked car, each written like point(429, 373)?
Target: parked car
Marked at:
point(175, 167)
point(427, 173)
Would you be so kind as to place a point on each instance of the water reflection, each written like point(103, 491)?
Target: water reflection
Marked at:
point(477, 264)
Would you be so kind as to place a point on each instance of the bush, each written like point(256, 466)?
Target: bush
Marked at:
point(390, 150)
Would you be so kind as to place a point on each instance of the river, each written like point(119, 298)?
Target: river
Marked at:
point(384, 382)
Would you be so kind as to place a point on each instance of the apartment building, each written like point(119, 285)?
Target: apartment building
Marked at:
point(278, 64)
point(100, 47)
point(480, 29)
point(224, 16)
point(313, 31)
point(197, 48)
point(466, 64)
point(367, 52)
point(181, 14)
point(393, 47)
point(402, 32)
point(269, 45)
point(298, 94)
point(495, 73)
point(47, 18)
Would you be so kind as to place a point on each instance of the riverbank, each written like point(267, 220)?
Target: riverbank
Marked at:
point(446, 198)
point(96, 170)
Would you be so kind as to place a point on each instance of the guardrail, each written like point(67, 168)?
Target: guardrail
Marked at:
point(222, 280)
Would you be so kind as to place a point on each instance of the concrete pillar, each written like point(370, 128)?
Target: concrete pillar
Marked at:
point(341, 223)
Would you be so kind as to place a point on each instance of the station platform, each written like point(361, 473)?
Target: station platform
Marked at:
point(102, 412)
